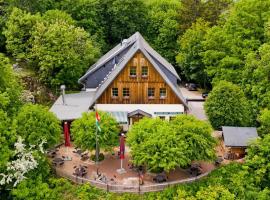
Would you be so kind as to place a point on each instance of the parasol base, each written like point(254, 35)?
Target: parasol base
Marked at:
point(121, 171)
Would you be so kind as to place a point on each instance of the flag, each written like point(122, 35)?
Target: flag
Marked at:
point(98, 121)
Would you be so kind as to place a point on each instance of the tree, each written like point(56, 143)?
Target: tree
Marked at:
point(88, 14)
point(33, 6)
point(257, 161)
point(18, 32)
point(264, 120)
point(84, 130)
point(3, 16)
point(212, 9)
point(61, 51)
point(152, 146)
point(209, 10)
point(227, 44)
point(161, 145)
point(227, 106)
point(189, 58)
point(10, 89)
point(217, 192)
point(122, 18)
point(35, 123)
point(197, 135)
point(256, 75)
point(189, 12)
point(163, 27)
point(7, 139)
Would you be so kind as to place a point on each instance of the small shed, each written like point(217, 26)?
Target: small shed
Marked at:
point(236, 139)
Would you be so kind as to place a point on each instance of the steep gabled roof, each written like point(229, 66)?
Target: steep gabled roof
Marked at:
point(126, 44)
point(119, 59)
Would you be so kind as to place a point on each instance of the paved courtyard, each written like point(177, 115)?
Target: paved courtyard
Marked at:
point(111, 163)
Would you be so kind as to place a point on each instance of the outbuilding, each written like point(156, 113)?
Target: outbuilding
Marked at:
point(236, 139)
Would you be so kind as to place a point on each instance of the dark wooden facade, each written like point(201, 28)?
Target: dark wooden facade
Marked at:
point(138, 85)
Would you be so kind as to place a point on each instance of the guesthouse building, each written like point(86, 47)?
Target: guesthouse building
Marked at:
point(130, 82)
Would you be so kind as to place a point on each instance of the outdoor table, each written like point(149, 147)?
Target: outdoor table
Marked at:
point(78, 151)
point(58, 161)
point(84, 157)
point(51, 154)
point(160, 178)
point(80, 171)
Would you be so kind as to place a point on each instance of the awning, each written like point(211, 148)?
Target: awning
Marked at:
point(120, 116)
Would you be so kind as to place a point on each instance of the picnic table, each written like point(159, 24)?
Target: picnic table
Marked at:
point(58, 161)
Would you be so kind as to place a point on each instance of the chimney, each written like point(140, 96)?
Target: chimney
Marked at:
point(63, 87)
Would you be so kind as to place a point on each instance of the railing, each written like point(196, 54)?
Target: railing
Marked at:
point(128, 188)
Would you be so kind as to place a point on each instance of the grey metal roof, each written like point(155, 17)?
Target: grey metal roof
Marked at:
point(130, 47)
point(76, 104)
point(238, 136)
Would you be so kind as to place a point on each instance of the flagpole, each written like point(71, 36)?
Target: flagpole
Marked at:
point(97, 147)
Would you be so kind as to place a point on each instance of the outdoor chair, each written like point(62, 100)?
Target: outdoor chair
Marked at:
point(219, 160)
point(84, 157)
point(195, 169)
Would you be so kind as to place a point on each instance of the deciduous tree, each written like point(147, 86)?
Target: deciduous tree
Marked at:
point(257, 161)
point(61, 51)
point(84, 130)
point(10, 89)
point(160, 145)
point(19, 27)
point(189, 58)
point(227, 106)
point(163, 27)
point(35, 123)
point(264, 120)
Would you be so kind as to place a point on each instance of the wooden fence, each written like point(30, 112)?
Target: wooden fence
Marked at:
point(140, 189)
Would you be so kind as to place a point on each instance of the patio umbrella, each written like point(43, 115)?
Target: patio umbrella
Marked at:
point(66, 134)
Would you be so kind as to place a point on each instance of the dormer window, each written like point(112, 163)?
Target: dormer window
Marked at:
point(144, 71)
point(132, 71)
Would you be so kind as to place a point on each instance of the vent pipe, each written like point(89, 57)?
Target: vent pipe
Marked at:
point(63, 87)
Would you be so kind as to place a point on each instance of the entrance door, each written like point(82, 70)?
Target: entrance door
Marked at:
point(137, 115)
point(135, 119)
